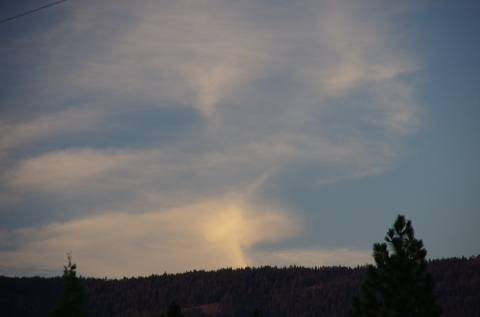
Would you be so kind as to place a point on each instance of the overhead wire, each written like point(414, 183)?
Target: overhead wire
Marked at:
point(35, 10)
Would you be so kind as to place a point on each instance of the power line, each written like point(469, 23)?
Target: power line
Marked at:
point(21, 15)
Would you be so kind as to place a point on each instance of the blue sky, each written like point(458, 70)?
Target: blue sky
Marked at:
point(177, 135)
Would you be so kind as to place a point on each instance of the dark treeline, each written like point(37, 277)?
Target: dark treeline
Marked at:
point(282, 292)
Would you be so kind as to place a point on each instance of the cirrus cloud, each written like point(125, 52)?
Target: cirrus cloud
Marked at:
point(269, 86)
point(210, 235)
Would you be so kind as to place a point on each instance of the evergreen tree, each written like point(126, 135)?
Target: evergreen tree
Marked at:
point(398, 285)
point(173, 310)
point(256, 313)
point(71, 300)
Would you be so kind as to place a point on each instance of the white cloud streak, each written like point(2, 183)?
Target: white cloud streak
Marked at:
point(275, 86)
point(66, 121)
point(208, 235)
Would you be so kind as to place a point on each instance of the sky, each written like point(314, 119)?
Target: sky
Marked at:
point(168, 136)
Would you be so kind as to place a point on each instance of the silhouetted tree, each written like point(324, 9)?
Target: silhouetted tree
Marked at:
point(256, 313)
point(173, 310)
point(398, 285)
point(71, 300)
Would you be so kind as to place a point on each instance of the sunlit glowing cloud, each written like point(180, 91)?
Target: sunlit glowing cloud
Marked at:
point(168, 177)
point(70, 169)
point(301, 82)
point(207, 235)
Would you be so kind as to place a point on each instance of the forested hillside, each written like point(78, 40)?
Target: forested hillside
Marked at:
point(286, 292)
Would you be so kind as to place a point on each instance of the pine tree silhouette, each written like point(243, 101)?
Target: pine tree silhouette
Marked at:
point(398, 285)
point(71, 300)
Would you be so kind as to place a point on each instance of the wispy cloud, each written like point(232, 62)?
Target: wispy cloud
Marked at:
point(273, 86)
point(210, 235)
point(66, 121)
